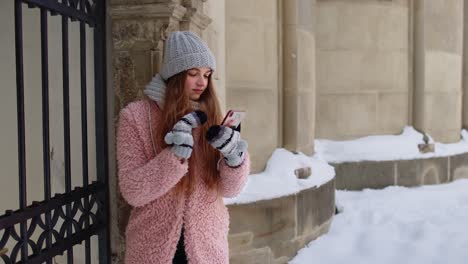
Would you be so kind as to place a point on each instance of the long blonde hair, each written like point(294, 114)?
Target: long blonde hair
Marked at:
point(176, 105)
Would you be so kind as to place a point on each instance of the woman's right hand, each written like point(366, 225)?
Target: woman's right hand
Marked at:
point(180, 137)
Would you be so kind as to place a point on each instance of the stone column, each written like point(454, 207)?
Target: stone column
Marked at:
point(299, 81)
point(438, 44)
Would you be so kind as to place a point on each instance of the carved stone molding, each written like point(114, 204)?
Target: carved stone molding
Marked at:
point(144, 26)
point(194, 19)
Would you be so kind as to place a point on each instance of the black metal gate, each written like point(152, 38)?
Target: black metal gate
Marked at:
point(73, 217)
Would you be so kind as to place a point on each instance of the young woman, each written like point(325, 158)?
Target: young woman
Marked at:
point(176, 162)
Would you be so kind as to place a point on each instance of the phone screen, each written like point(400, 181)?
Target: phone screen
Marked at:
point(233, 118)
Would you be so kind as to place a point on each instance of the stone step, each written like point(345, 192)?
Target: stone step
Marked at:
point(240, 241)
point(253, 256)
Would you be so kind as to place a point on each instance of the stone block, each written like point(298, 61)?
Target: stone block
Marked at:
point(443, 72)
point(262, 115)
point(366, 174)
point(291, 247)
point(422, 171)
point(338, 70)
point(392, 28)
point(240, 242)
point(443, 28)
point(327, 26)
point(357, 26)
point(305, 60)
point(270, 221)
point(315, 206)
point(254, 256)
point(377, 70)
point(245, 45)
point(437, 105)
point(298, 121)
point(458, 166)
point(353, 115)
point(281, 260)
point(393, 112)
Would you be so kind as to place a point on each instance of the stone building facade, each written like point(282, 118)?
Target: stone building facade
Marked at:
point(302, 69)
point(306, 69)
point(311, 69)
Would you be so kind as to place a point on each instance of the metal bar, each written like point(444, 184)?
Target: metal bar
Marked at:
point(58, 248)
point(20, 103)
point(45, 119)
point(84, 127)
point(57, 201)
point(63, 9)
point(21, 126)
point(100, 87)
point(66, 125)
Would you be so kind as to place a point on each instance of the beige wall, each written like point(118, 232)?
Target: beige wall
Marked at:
point(439, 42)
point(252, 73)
point(33, 110)
point(215, 37)
point(362, 68)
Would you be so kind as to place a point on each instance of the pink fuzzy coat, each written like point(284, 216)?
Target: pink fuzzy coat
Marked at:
point(146, 182)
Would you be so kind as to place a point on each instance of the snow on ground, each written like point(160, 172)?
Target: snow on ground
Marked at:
point(420, 225)
point(386, 147)
point(279, 179)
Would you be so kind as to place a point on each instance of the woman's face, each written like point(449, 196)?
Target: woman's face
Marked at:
point(196, 82)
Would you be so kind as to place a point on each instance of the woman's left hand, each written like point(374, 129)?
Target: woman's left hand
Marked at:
point(229, 143)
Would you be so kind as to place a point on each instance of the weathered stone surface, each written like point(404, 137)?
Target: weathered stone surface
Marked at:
point(283, 225)
point(315, 206)
point(270, 221)
point(422, 171)
point(240, 242)
point(254, 256)
point(362, 82)
point(459, 166)
point(366, 174)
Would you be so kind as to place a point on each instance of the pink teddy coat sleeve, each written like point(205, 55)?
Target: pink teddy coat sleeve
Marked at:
point(142, 181)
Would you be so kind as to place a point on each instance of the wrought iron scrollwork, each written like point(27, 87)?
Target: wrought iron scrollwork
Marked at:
point(82, 10)
point(35, 216)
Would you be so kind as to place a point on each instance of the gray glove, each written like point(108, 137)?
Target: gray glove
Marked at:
point(180, 137)
point(229, 143)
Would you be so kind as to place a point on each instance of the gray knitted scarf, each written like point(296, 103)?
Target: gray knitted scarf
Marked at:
point(156, 91)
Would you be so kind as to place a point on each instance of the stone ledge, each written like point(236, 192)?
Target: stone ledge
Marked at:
point(272, 231)
point(409, 173)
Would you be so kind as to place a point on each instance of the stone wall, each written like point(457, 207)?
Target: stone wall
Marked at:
point(252, 82)
point(272, 231)
point(380, 174)
point(362, 68)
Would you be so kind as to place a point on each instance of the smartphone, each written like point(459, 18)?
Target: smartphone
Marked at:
point(233, 118)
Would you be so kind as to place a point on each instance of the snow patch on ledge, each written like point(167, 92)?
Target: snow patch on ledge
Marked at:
point(386, 147)
point(279, 180)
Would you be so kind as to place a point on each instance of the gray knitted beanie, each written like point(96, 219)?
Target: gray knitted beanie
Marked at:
point(184, 50)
